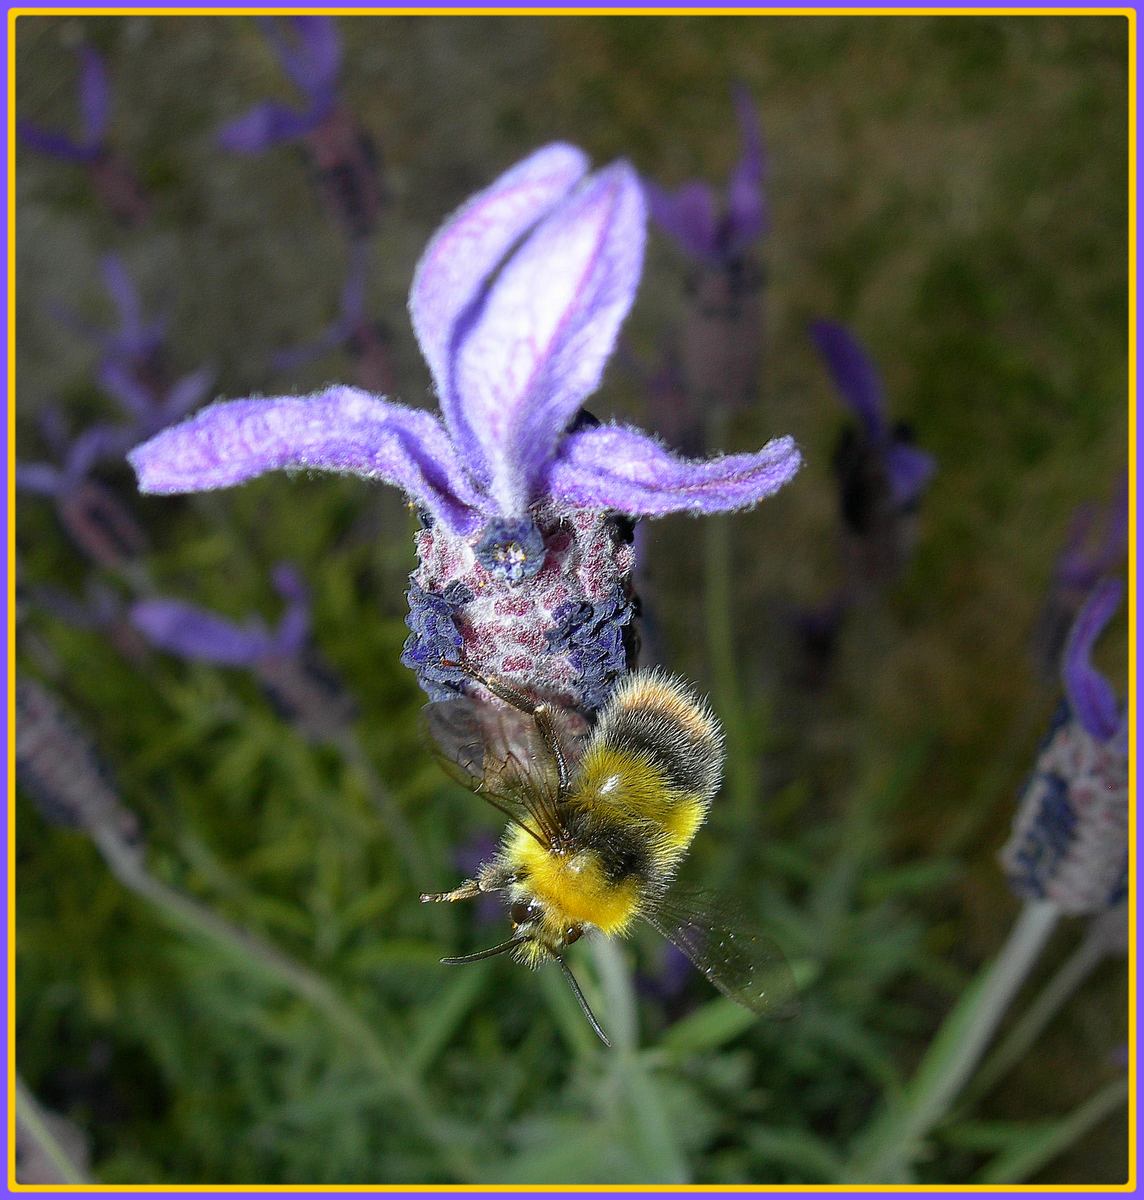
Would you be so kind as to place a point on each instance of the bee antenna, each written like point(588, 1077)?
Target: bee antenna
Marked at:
point(583, 1002)
point(491, 952)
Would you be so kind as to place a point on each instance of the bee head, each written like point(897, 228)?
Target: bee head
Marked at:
point(532, 922)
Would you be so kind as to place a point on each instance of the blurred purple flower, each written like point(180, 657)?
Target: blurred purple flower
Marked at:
point(150, 410)
point(299, 684)
point(91, 513)
point(364, 340)
point(1070, 838)
point(881, 474)
point(113, 181)
point(342, 155)
point(59, 769)
point(721, 339)
point(101, 608)
point(693, 218)
point(514, 485)
point(136, 345)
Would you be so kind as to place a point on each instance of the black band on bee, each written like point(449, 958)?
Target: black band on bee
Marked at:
point(688, 757)
point(622, 851)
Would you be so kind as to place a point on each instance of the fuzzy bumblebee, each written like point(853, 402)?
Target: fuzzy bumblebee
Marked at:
point(599, 824)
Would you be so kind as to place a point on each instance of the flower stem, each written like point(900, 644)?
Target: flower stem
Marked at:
point(720, 622)
point(126, 863)
point(32, 1119)
point(887, 1149)
point(1018, 1041)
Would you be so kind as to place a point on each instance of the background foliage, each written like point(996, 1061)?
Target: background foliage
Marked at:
point(954, 189)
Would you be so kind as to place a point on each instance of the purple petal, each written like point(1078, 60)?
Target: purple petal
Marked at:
point(194, 633)
point(746, 204)
point(118, 381)
point(186, 393)
point(686, 215)
point(539, 344)
point(41, 479)
point(1090, 695)
point(616, 467)
point(96, 444)
point(124, 295)
point(94, 96)
point(309, 50)
point(294, 627)
point(340, 429)
point(265, 125)
point(910, 471)
point(57, 145)
point(854, 375)
point(463, 252)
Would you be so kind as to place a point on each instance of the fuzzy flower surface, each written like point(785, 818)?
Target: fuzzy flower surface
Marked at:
point(525, 549)
point(1070, 839)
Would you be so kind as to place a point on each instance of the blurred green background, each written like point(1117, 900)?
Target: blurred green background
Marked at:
point(955, 191)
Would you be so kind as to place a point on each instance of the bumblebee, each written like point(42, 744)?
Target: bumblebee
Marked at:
point(599, 821)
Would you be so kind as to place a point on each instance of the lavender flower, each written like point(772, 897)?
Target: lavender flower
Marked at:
point(881, 474)
point(100, 609)
point(1097, 544)
point(1070, 839)
point(519, 496)
point(299, 684)
point(60, 771)
point(136, 345)
point(90, 512)
point(112, 180)
point(364, 340)
point(341, 154)
point(722, 334)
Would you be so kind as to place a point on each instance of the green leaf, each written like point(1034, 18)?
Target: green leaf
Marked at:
point(718, 1022)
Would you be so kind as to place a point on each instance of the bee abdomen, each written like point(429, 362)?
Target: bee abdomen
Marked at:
point(661, 720)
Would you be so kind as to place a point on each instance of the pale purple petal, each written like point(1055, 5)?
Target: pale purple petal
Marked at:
point(41, 479)
point(265, 125)
point(94, 96)
point(186, 393)
point(56, 145)
point(910, 471)
point(686, 215)
point(340, 429)
point(854, 374)
point(453, 269)
point(746, 203)
point(615, 467)
point(539, 343)
point(1090, 695)
point(294, 627)
point(192, 632)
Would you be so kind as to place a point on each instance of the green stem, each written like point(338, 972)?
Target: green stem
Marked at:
point(658, 1147)
point(1019, 1040)
point(127, 865)
point(1039, 1149)
point(33, 1120)
point(892, 1143)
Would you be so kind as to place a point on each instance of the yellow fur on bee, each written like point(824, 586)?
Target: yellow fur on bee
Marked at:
point(572, 888)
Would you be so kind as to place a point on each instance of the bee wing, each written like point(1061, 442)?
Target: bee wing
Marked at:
point(741, 961)
point(499, 754)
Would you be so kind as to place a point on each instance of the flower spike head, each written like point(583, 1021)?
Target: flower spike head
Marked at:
point(1070, 838)
point(525, 549)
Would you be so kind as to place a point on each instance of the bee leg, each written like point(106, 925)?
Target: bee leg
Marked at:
point(466, 891)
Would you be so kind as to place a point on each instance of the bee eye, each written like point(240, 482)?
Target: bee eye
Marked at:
point(522, 912)
point(572, 935)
